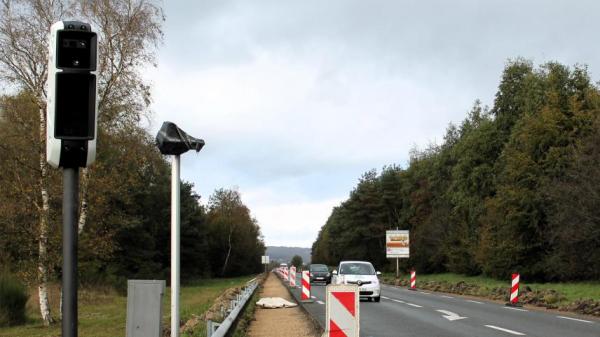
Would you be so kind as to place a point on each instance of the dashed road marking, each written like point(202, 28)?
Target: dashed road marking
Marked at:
point(505, 330)
point(575, 319)
point(401, 301)
point(313, 297)
point(446, 296)
point(320, 302)
point(424, 292)
point(517, 309)
point(474, 301)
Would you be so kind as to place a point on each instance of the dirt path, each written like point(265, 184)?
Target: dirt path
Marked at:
point(290, 322)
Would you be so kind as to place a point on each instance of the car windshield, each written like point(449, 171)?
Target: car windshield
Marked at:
point(357, 269)
point(318, 267)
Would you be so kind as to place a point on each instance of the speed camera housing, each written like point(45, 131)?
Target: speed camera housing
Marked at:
point(72, 90)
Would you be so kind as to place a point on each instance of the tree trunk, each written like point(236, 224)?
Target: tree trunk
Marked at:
point(43, 233)
point(83, 207)
point(228, 251)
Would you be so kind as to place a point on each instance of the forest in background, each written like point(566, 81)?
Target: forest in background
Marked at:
point(514, 188)
point(127, 234)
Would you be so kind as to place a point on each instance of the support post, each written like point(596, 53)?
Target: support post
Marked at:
point(175, 224)
point(69, 267)
point(397, 268)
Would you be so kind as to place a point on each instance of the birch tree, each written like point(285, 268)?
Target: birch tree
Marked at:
point(129, 32)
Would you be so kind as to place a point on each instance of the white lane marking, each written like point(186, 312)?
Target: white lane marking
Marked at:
point(451, 316)
point(414, 305)
point(313, 297)
point(387, 298)
point(399, 301)
point(320, 302)
point(474, 301)
point(446, 296)
point(505, 330)
point(517, 309)
point(426, 293)
point(575, 319)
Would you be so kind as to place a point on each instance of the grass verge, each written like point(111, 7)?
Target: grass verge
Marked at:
point(570, 292)
point(102, 312)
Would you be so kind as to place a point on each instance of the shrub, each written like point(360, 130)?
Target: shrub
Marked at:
point(13, 298)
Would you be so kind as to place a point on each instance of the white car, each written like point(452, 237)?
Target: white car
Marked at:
point(362, 274)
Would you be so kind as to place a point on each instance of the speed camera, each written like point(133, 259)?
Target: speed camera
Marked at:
point(72, 90)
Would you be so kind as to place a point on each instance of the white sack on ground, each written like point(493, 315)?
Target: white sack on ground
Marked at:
point(275, 302)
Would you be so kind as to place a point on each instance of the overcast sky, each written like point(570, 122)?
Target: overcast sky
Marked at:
point(296, 99)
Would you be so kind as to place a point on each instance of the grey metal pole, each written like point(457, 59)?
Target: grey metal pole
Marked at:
point(69, 269)
point(397, 268)
point(175, 224)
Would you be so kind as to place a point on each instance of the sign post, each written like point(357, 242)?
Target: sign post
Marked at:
point(397, 246)
point(265, 260)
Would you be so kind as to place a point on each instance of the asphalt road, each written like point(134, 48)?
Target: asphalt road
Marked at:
point(402, 312)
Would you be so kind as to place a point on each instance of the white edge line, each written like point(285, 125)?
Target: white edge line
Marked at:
point(424, 292)
point(505, 330)
point(517, 309)
point(575, 319)
point(385, 297)
point(414, 305)
point(320, 302)
point(474, 301)
point(446, 296)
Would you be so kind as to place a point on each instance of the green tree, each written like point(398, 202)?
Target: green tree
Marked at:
point(297, 261)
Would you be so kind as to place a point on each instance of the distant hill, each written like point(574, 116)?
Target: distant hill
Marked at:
point(285, 254)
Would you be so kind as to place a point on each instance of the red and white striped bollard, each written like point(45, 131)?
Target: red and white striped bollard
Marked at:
point(514, 289)
point(292, 276)
point(413, 280)
point(305, 287)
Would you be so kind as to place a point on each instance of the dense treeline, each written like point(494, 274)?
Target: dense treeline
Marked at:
point(128, 228)
point(514, 187)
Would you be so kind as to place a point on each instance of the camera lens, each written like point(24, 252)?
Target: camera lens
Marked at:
point(76, 63)
point(83, 27)
point(80, 44)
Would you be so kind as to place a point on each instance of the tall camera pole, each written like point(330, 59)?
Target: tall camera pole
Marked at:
point(175, 244)
point(71, 131)
point(69, 267)
point(173, 141)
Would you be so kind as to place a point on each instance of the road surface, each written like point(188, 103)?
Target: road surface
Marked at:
point(402, 312)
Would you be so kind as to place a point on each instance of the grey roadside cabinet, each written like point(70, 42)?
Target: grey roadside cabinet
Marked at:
point(144, 308)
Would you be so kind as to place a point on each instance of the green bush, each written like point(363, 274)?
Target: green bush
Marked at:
point(13, 298)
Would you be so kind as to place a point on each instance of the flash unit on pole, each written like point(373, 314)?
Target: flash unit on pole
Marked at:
point(72, 107)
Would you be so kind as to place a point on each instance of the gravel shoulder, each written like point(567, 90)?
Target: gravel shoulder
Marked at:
point(291, 322)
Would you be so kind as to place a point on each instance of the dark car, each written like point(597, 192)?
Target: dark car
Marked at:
point(319, 273)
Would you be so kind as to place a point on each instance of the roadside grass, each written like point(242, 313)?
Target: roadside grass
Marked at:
point(571, 291)
point(102, 312)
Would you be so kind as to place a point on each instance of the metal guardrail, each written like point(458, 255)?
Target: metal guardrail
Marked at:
point(215, 329)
